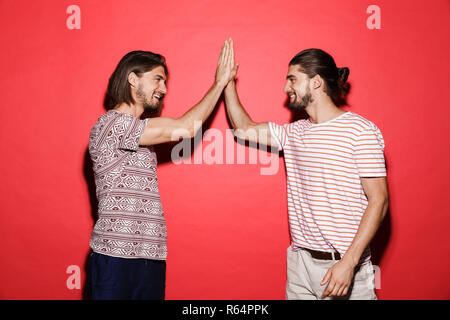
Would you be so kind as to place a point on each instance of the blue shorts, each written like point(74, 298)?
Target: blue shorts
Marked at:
point(111, 278)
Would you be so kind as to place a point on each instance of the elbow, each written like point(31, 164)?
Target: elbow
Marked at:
point(193, 128)
point(383, 203)
point(190, 128)
point(182, 130)
point(244, 131)
point(189, 131)
point(239, 133)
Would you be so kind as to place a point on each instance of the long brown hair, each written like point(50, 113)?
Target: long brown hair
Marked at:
point(138, 62)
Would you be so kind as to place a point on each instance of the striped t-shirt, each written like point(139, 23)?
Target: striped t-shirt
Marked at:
point(324, 163)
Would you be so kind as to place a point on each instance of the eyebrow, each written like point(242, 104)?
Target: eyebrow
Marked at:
point(158, 76)
point(290, 76)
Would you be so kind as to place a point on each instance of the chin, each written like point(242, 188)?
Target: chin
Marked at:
point(296, 107)
point(152, 107)
point(151, 110)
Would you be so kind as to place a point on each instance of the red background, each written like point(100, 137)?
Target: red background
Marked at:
point(227, 224)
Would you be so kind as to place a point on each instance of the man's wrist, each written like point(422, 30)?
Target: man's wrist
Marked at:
point(220, 84)
point(350, 258)
point(230, 86)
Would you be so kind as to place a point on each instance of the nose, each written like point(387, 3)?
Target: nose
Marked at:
point(286, 87)
point(162, 87)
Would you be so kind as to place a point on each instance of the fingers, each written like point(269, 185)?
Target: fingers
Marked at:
point(234, 65)
point(329, 289)
point(336, 289)
point(228, 54)
point(223, 54)
point(330, 285)
point(234, 70)
point(342, 291)
point(226, 69)
point(326, 278)
point(232, 52)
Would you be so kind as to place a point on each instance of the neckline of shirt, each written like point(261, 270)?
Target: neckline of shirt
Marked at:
point(329, 121)
point(120, 113)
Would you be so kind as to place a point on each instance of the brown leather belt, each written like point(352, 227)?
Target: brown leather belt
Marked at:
point(323, 255)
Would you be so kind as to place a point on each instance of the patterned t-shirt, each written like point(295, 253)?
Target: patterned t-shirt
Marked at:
point(130, 221)
point(324, 164)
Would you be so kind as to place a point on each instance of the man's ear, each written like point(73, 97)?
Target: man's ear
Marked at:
point(133, 79)
point(316, 82)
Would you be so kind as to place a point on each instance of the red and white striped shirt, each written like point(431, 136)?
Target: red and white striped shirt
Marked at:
point(324, 164)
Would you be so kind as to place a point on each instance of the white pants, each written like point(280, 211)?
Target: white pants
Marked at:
point(304, 275)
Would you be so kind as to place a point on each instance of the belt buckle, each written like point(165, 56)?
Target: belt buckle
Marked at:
point(335, 255)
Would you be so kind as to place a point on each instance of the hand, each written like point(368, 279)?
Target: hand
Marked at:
point(235, 65)
point(339, 278)
point(226, 68)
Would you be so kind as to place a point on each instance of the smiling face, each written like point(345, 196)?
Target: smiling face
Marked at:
point(151, 88)
point(297, 88)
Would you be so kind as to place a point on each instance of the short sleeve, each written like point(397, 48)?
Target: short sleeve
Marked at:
point(279, 134)
point(128, 131)
point(369, 153)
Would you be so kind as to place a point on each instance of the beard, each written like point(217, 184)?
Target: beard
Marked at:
point(301, 104)
point(149, 105)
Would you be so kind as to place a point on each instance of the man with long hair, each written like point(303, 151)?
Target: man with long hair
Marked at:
point(129, 238)
point(336, 180)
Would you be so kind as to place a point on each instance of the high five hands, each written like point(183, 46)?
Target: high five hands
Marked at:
point(226, 67)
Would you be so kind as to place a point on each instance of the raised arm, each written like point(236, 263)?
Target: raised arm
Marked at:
point(164, 129)
point(244, 127)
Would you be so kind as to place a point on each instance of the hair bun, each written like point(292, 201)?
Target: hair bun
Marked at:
point(343, 74)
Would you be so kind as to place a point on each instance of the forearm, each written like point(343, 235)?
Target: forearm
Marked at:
point(201, 111)
point(164, 129)
point(239, 118)
point(370, 222)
